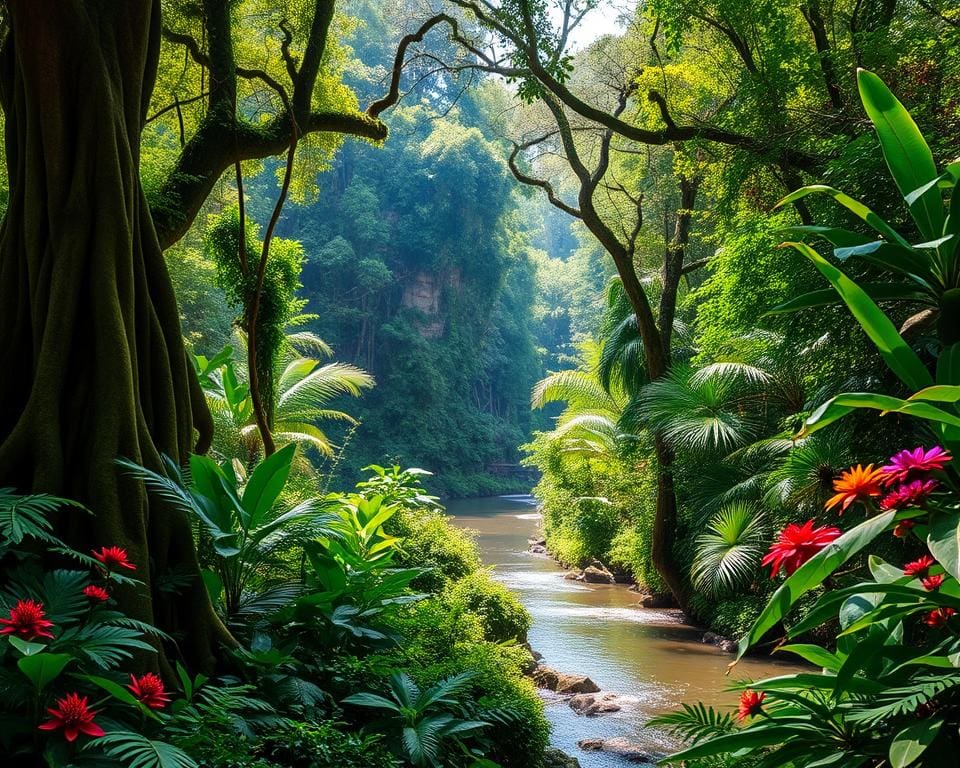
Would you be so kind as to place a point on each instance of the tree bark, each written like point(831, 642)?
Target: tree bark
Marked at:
point(93, 365)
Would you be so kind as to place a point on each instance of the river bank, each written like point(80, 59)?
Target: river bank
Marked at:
point(650, 658)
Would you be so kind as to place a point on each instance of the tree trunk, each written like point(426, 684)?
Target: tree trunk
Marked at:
point(92, 365)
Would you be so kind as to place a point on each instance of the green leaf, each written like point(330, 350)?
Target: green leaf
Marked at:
point(905, 150)
point(854, 206)
point(828, 296)
point(266, 484)
point(912, 741)
point(837, 407)
point(944, 541)
point(27, 649)
point(812, 573)
point(902, 360)
point(749, 738)
point(134, 750)
point(44, 668)
point(821, 657)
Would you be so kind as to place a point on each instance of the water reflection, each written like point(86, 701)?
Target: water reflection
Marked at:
point(650, 656)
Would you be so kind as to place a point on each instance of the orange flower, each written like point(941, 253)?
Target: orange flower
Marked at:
point(858, 483)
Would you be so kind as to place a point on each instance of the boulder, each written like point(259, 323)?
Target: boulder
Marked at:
point(576, 684)
point(594, 575)
point(546, 677)
point(537, 549)
point(723, 643)
point(573, 576)
point(663, 600)
point(592, 704)
point(623, 748)
point(555, 758)
point(536, 655)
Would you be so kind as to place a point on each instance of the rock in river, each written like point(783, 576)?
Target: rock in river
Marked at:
point(622, 748)
point(594, 575)
point(592, 704)
point(546, 677)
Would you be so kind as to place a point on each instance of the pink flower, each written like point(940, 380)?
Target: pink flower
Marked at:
point(74, 716)
point(909, 495)
point(907, 465)
point(27, 621)
point(796, 544)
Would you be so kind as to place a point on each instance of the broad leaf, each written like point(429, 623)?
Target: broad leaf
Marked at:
point(912, 741)
point(902, 360)
point(828, 296)
point(266, 484)
point(905, 150)
point(43, 668)
point(944, 541)
point(812, 573)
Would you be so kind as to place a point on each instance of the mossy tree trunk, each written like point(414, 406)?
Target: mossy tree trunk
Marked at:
point(92, 363)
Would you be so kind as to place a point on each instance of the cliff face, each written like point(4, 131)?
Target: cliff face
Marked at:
point(423, 293)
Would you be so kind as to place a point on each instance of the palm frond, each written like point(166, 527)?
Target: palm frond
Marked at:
point(728, 552)
point(694, 722)
point(134, 750)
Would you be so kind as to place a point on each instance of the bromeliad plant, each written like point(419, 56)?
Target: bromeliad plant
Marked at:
point(889, 692)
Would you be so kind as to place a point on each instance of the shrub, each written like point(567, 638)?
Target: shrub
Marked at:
point(500, 613)
point(432, 543)
point(325, 745)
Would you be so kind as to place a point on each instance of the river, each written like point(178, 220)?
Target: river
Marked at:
point(650, 656)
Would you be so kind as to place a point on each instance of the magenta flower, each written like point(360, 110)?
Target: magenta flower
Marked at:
point(908, 465)
point(909, 495)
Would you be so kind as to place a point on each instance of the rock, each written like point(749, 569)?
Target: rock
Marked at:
point(658, 601)
point(592, 704)
point(555, 758)
point(723, 643)
point(538, 549)
point(537, 541)
point(573, 576)
point(546, 677)
point(576, 684)
point(537, 656)
point(594, 575)
point(622, 748)
point(529, 665)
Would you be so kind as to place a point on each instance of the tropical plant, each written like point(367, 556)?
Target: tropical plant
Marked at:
point(304, 387)
point(425, 726)
point(727, 553)
point(250, 532)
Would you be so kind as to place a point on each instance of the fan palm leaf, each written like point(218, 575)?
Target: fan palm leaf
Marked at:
point(728, 552)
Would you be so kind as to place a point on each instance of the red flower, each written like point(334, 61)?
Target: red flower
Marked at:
point(858, 483)
point(902, 529)
point(919, 568)
point(932, 583)
point(912, 494)
point(98, 594)
point(796, 544)
point(938, 617)
point(751, 703)
point(26, 621)
point(74, 716)
point(907, 465)
point(149, 690)
point(114, 557)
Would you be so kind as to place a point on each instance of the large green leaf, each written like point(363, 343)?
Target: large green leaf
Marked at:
point(837, 407)
point(828, 296)
point(812, 573)
point(266, 484)
point(902, 360)
point(913, 740)
point(944, 541)
point(905, 150)
point(748, 738)
point(854, 206)
point(43, 668)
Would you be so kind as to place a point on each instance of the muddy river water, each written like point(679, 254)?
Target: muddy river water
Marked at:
point(651, 657)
